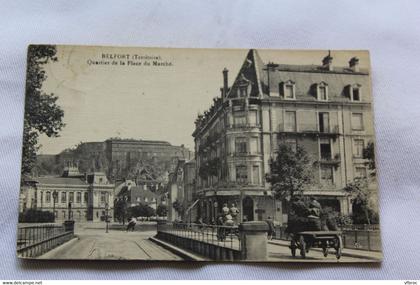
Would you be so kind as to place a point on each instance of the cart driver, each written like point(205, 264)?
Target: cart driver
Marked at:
point(298, 214)
point(314, 221)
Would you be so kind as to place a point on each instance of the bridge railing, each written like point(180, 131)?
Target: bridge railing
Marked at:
point(223, 236)
point(33, 241)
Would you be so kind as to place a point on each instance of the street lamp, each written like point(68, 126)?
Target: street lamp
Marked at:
point(106, 216)
point(55, 195)
point(70, 216)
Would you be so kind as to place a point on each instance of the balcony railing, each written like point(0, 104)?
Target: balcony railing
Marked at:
point(330, 160)
point(244, 153)
point(243, 126)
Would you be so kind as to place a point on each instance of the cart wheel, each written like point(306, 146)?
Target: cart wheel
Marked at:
point(339, 247)
point(302, 246)
point(325, 251)
point(293, 247)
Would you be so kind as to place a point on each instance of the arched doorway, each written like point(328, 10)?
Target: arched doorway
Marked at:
point(248, 209)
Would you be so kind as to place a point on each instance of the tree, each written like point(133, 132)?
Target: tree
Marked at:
point(42, 114)
point(36, 216)
point(290, 172)
point(141, 210)
point(120, 211)
point(360, 196)
point(369, 153)
point(162, 210)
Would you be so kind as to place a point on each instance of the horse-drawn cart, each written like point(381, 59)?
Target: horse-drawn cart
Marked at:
point(317, 239)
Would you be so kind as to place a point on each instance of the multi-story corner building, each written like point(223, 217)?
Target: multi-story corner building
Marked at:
point(326, 109)
point(89, 196)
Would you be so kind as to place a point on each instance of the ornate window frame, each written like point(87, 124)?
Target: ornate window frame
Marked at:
point(320, 85)
point(282, 89)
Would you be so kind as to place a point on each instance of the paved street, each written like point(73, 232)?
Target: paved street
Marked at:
point(94, 243)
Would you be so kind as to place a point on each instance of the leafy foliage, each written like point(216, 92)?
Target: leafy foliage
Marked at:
point(141, 210)
point(360, 194)
point(290, 172)
point(42, 114)
point(178, 207)
point(162, 210)
point(120, 211)
point(369, 153)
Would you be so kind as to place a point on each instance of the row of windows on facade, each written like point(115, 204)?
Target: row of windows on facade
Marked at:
point(104, 197)
point(287, 90)
point(145, 199)
point(290, 121)
point(326, 174)
point(324, 125)
point(325, 146)
point(325, 153)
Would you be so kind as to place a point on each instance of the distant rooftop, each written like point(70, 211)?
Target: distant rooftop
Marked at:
point(61, 180)
point(137, 141)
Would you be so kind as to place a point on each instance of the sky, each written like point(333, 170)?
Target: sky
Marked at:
point(148, 102)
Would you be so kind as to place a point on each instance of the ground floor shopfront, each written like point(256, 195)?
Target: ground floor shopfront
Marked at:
point(259, 205)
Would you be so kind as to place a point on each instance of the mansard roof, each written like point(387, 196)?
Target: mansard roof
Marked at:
point(251, 71)
point(61, 181)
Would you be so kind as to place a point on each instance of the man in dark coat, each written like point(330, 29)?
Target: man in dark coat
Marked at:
point(297, 218)
point(314, 221)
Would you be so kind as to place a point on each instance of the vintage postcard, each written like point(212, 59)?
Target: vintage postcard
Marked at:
point(198, 154)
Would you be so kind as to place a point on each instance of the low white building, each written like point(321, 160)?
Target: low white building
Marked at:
point(86, 197)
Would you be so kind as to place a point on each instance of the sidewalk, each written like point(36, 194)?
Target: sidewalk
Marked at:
point(357, 253)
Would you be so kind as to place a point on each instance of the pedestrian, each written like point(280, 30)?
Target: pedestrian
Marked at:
point(225, 209)
point(220, 229)
point(271, 228)
point(234, 212)
point(131, 224)
point(229, 220)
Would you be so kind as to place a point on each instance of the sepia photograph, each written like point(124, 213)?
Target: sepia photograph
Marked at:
point(172, 154)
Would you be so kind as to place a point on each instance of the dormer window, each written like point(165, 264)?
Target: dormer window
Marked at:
point(355, 92)
point(322, 91)
point(244, 87)
point(287, 90)
point(243, 92)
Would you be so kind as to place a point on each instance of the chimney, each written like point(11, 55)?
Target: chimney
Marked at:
point(354, 64)
point(327, 62)
point(225, 81)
